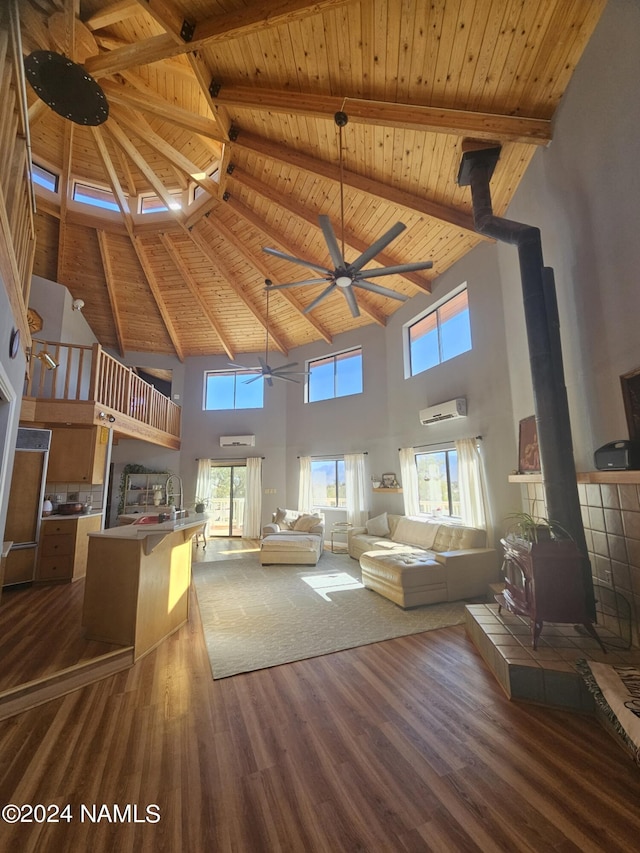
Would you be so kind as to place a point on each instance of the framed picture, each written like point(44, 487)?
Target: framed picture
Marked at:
point(528, 452)
point(389, 481)
point(631, 395)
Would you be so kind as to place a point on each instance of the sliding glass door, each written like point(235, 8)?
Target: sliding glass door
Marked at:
point(228, 494)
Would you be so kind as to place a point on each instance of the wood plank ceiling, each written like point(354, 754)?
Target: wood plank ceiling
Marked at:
point(247, 91)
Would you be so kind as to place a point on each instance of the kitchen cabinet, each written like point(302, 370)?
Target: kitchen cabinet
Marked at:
point(78, 454)
point(64, 544)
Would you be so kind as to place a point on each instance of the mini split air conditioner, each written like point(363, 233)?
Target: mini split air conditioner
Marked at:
point(444, 411)
point(237, 441)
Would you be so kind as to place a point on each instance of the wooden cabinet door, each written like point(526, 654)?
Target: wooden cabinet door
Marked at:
point(76, 455)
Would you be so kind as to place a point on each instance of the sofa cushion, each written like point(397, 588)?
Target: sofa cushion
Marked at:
point(412, 531)
point(306, 523)
point(451, 537)
point(378, 526)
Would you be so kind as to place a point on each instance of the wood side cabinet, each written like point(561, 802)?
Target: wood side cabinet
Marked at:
point(77, 455)
point(64, 544)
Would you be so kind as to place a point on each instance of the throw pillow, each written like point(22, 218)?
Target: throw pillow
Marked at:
point(279, 515)
point(378, 526)
point(306, 522)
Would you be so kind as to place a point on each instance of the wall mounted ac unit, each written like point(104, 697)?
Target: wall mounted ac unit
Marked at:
point(444, 411)
point(237, 441)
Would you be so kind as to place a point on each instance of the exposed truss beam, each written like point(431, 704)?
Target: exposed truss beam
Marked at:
point(64, 189)
point(103, 243)
point(113, 14)
point(194, 289)
point(506, 128)
point(277, 239)
point(202, 243)
point(263, 271)
point(255, 17)
point(149, 102)
point(165, 14)
point(370, 186)
point(300, 211)
point(154, 287)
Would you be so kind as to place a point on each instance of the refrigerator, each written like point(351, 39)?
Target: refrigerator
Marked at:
point(24, 511)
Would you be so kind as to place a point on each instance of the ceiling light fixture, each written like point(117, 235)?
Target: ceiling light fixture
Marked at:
point(344, 275)
point(77, 305)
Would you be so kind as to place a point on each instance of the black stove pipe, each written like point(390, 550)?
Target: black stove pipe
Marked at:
point(545, 355)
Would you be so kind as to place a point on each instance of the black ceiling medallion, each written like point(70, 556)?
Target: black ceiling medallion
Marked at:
point(66, 87)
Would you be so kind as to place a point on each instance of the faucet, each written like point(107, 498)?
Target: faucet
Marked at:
point(170, 487)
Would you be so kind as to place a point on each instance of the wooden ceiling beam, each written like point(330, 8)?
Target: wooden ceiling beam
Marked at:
point(112, 175)
point(506, 128)
point(283, 154)
point(154, 287)
point(111, 288)
point(139, 126)
point(300, 211)
point(263, 271)
point(194, 288)
point(165, 14)
point(113, 14)
point(64, 191)
point(277, 238)
point(203, 244)
point(149, 102)
point(250, 19)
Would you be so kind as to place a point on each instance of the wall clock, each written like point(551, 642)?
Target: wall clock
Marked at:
point(34, 320)
point(14, 343)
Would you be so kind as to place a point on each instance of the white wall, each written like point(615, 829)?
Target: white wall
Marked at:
point(583, 192)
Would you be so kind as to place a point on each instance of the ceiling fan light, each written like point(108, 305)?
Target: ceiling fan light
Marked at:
point(344, 281)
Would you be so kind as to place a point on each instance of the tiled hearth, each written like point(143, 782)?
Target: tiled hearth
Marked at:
point(547, 676)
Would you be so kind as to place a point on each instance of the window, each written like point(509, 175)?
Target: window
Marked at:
point(44, 178)
point(439, 335)
point(336, 375)
point(226, 389)
point(154, 204)
point(328, 483)
point(95, 196)
point(438, 489)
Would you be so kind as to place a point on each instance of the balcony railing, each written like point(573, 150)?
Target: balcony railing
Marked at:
point(88, 373)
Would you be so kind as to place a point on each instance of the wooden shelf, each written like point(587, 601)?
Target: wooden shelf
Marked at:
point(612, 477)
point(393, 491)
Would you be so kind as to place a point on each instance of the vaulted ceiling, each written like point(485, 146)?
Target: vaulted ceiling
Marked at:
point(246, 92)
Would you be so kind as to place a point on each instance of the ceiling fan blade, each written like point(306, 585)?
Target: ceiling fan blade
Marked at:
point(242, 367)
point(319, 299)
point(298, 283)
point(285, 366)
point(332, 243)
point(283, 376)
point(269, 381)
point(253, 379)
point(419, 265)
point(383, 291)
point(293, 260)
point(264, 366)
point(350, 296)
point(378, 246)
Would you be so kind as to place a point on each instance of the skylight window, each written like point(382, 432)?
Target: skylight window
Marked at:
point(44, 178)
point(154, 204)
point(95, 196)
point(440, 334)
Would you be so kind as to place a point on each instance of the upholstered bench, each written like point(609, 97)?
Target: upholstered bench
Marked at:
point(291, 548)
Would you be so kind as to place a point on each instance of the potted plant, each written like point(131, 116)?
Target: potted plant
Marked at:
point(200, 505)
point(533, 529)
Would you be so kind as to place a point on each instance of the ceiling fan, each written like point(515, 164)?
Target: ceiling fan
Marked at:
point(265, 370)
point(346, 276)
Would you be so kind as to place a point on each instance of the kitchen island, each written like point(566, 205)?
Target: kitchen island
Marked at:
point(137, 583)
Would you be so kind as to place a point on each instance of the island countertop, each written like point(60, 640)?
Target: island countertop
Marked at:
point(142, 531)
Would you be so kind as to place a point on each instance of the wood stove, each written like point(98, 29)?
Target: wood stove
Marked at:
point(543, 581)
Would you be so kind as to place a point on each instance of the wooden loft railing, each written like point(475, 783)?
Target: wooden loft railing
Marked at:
point(87, 385)
point(17, 204)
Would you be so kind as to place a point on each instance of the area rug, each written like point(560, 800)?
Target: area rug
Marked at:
point(260, 616)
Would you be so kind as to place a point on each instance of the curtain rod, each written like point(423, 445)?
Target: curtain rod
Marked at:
point(437, 443)
point(202, 458)
point(334, 456)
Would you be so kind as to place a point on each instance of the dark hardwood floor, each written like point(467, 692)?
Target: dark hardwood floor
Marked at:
point(406, 745)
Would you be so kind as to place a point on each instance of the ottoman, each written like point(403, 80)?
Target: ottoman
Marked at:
point(290, 548)
point(407, 579)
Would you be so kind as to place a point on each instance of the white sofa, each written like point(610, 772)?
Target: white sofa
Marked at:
point(420, 561)
point(292, 538)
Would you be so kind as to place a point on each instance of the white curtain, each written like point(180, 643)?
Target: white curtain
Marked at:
point(356, 488)
point(409, 479)
point(203, 481)
point(471, 482)
point(305, 492)
point(252, 522)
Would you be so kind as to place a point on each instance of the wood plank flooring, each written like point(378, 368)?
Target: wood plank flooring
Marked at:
point(406, 745)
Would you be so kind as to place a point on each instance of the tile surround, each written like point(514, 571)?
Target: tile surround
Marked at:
point(549, 675)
